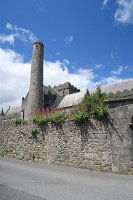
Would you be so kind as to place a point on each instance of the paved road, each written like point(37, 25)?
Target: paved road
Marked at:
point(26, 181)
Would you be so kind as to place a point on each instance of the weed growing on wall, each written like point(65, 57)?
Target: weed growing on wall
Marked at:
point(34, 132)
point(80, 113)
point(51, 115)
point(40, 119)
point(95, 103)
point(58, 117)
point(18, 121)
point(92, 105)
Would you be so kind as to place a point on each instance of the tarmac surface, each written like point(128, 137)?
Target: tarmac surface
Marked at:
point(21, 180)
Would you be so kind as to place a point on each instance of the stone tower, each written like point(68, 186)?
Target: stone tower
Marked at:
point(35, 97)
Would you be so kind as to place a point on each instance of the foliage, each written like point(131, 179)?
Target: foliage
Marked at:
point(92, 105)
point(95, 103)
point(34, 132)
point(40, 119)
point(101, 110)
point(51, 115)
point(58, 116)
point(18, 121)
point(80, 114)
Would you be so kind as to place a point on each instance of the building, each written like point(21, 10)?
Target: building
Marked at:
point(61, 96)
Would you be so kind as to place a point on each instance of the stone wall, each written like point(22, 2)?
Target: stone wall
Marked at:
point(10, 117)
point(120, 121)
point(80, 145)
point(98, 145)
point(65, 89)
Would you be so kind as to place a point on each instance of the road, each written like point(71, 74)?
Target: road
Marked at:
point(29, 181)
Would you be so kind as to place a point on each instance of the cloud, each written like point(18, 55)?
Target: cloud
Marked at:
point(54, 75)
point(19, 33)
point(124, 12)
point(69, 39)
point(15, 76)
point(7, 39)
point(105, 2)
point(97, 66)
point(9, 26)
point(118, 71)
point(109, 80)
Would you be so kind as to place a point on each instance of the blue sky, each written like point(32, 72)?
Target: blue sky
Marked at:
point(91, 39)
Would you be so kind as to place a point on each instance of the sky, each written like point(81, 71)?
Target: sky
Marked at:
point(86, 42)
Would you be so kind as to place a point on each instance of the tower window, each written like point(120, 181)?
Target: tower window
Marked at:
point(63, 93)
point(37, 46)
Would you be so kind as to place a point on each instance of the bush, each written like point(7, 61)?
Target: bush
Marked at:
point(95, 103)
point(53, 116)
point(58, 117)
point(80, 114)
point(91, 106)
point(40, 120)
point(34, 132)
point(18, 121)
point(101, 110)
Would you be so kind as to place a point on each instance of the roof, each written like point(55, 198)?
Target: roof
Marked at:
point(124, 87)
point(116, 87)
point(38, 42)
point(46, 90)
point(14, 111)
point(69, 100)
point(75, 98)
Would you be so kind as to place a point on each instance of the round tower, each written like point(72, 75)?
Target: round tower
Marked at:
point(35, 96)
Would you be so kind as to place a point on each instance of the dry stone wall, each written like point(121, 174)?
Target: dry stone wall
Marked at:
point(98, 145)
point(84, 145)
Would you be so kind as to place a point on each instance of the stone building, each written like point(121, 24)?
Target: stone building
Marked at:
point(39, 95)
point(61, 96)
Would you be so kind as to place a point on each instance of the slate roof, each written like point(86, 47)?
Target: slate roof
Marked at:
point(69, 100)
point(13, 111)
point(124, 88)
point(120, 87)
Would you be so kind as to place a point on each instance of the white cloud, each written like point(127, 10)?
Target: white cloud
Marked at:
point(19, 33)
point(55, 75)
point(118, 71)
point(124, 12)
point(97, 66)
point(15, 76)
point(69, 39)
point(66, 62)
point(109, 80)
point(9, 26)
point(7, 38)
point(105, 2)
